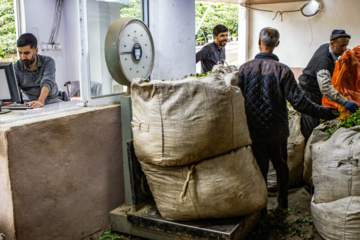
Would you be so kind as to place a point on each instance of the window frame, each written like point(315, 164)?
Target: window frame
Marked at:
point(85, 93)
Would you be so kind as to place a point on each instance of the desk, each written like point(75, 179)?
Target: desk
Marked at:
point(50, 111)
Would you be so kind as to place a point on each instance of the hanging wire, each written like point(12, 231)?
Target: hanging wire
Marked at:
point(281, 13)
point(312, 37)
point(266, 10)
point(57, 19)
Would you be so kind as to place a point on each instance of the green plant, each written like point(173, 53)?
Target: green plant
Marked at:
point(7, 31)
point(108, 235)
point(220, 13)
point(350, 121)
point(132, 9)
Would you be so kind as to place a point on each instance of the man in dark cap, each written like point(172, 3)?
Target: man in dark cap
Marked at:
point(213, 53)
point(315, 79)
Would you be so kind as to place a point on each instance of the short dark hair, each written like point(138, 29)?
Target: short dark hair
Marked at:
point(27, 39)
point(219, 29)
point(269, 36)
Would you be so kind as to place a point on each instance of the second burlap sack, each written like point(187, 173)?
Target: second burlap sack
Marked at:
point(180, 122)
point(224, 186)
point(336, 164)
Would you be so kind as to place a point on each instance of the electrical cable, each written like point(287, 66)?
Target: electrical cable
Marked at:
point(57, 19)
point(281, 13)
point(266, 10)
point(312, 37)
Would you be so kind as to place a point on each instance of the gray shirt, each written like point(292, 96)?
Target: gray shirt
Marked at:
point(31, 81)
point(209, 56)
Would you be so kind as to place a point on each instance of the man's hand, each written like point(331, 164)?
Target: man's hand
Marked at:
point(35, 104)
point(332, 113)
point(351, 106)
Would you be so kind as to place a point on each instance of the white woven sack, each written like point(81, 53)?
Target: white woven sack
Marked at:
point(336, 165)
point(225, 186)
point(295, 151)
point(229, 73)
point(180, 122)
point(316, 138)
point(337, 220)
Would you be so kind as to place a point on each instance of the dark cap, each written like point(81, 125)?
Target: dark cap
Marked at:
point(338, 33)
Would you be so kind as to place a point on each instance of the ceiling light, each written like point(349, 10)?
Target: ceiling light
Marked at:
point(310, 8)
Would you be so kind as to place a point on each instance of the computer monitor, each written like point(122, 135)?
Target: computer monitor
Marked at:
point(9, 90)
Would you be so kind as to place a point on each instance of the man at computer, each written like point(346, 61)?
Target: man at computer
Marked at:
point(35, 73)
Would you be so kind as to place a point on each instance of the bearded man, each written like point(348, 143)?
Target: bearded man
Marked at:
point(214, 53)
point(35, 73)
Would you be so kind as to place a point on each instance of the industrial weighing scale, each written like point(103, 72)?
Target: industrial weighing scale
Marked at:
point(129, 53)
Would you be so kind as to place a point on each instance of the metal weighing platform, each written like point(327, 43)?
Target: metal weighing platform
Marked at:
point(141, 218)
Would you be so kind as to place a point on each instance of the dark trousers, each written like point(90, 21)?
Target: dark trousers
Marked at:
point(308, 123)
point(276, 152)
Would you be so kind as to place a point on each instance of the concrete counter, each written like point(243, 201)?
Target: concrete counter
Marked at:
point(60, 174)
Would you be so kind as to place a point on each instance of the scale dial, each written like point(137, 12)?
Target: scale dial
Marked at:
point(129, 50)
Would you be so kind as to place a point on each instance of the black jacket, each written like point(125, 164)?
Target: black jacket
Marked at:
point(266, 85)
point(321, 59)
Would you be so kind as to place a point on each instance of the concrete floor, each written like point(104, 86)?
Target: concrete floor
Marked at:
point(294, 224)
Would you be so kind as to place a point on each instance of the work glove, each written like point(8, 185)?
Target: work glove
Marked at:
point(332, 113)
point(351, 106)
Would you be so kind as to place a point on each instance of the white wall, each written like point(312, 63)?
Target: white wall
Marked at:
point(301, 36)
point(172, 25)
point(39, 18)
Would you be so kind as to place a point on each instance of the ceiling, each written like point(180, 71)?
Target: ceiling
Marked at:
point(252, 1)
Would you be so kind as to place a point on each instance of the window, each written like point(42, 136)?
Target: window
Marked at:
point(100, 14)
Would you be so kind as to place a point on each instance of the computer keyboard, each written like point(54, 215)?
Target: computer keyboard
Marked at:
point(16, 106)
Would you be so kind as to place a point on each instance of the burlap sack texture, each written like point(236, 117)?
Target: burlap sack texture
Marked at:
point(176, 123)
point(337, 220)
point(225, 186)
point(336, 165)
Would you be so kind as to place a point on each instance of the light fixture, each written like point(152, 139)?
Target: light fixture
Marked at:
point(310, 8)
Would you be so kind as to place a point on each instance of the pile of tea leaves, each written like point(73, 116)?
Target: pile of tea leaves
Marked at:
point(350, 121)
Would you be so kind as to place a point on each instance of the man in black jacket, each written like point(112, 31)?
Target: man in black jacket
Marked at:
point(316, 78)
point(266, 85)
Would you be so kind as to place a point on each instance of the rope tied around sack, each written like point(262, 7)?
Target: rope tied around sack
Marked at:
point(183, 197)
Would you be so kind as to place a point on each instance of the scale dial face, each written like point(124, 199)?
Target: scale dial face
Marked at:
point(129, 50)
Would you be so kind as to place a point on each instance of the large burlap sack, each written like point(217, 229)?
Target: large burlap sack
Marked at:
point(336, 164)
point(225, 186)
point(177, 123)
point(229, 73)
point(295, 150)
point(337, 220)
